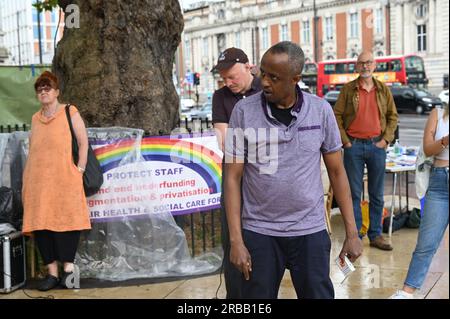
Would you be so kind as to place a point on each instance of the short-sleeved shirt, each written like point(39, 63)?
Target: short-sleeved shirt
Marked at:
point(282, 187)
point(224, 101)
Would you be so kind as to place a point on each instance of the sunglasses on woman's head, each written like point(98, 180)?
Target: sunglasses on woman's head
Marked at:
point(41, 89)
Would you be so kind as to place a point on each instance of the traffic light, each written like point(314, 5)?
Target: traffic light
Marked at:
point(197, 79)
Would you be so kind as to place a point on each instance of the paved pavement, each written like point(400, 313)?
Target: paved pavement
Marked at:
point(378, 274)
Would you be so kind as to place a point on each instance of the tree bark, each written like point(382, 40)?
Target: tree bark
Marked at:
point(117, 66)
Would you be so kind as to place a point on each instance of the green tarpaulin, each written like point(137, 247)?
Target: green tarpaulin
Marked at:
point(17, 98)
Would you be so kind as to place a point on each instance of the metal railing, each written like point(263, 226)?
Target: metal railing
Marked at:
point(14, 128)
point(202, 229)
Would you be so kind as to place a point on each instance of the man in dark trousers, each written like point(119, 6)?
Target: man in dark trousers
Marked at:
point(239, 83)
point(274, 146)
point(367, 119)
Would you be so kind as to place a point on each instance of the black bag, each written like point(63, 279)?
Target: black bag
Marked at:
point(414, 219)
point(11, 210)
point(93, 175)
point(398, 222)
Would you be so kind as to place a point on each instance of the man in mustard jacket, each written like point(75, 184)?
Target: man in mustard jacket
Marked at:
point(367, 119)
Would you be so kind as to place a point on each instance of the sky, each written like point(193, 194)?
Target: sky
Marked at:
point(186, 3)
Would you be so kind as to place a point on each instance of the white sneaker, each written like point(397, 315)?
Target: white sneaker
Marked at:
point(400, 294)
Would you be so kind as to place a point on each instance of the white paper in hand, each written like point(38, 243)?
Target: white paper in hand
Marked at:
point(347, 268)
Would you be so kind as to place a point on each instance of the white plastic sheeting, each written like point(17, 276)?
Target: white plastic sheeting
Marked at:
point(148, 246)
point(145, 246)
point(4, 137)
point(13, 153)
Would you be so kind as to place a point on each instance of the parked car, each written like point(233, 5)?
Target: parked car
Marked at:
point(331, 97)
point(205, 112)
point(412, 99)
point(186, 104)
point(444, 96)
point(304, 87)
point(185, 114)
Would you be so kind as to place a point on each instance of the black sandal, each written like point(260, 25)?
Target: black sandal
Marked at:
point(49, 282)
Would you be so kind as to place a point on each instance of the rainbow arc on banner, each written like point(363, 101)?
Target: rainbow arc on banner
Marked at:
point(201, 159)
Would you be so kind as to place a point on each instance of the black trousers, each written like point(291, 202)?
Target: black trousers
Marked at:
point(307, 258)
point(57, 246)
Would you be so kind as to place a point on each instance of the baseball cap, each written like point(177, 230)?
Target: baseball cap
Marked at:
point(229, 57)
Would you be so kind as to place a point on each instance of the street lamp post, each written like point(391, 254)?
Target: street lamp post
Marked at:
point(388, 27)
point(316, 36)
point(18, 39)
point(39, 35)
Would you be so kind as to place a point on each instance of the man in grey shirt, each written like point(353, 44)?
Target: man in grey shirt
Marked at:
point(274, 145)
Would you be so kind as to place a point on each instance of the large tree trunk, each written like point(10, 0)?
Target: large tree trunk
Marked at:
point(117, 67)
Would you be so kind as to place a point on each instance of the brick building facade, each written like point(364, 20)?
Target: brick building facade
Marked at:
point(343, 27)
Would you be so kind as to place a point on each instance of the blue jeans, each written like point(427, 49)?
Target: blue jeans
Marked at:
point(432, 227)
point(375, 158)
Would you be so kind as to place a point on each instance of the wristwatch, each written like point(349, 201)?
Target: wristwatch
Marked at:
point(442, 143)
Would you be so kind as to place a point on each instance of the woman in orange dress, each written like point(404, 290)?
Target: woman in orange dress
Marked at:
point(55, 208)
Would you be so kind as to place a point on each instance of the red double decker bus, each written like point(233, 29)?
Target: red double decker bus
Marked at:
point(402, 70)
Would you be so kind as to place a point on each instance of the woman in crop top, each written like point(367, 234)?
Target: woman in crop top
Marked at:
point(434, 220)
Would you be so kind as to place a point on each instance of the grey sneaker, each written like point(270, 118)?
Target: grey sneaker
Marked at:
point(400, 294)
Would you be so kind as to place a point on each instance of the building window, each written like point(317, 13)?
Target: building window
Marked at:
point(379, 21)
point(272, 3)
point(421, 10)
point(221, 14)
point(265, 38)
point(36, 32)
point(187, 46)
point(55, 16)
point(422, 37)
point(221, 42)
point(238, 40)
point(328, 28)
point(353, 25)
point(306, 31)
point(35, 15)
point(205, 47)
point(284, 32)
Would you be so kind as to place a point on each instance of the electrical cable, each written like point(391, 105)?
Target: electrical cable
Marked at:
point(23, 289)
